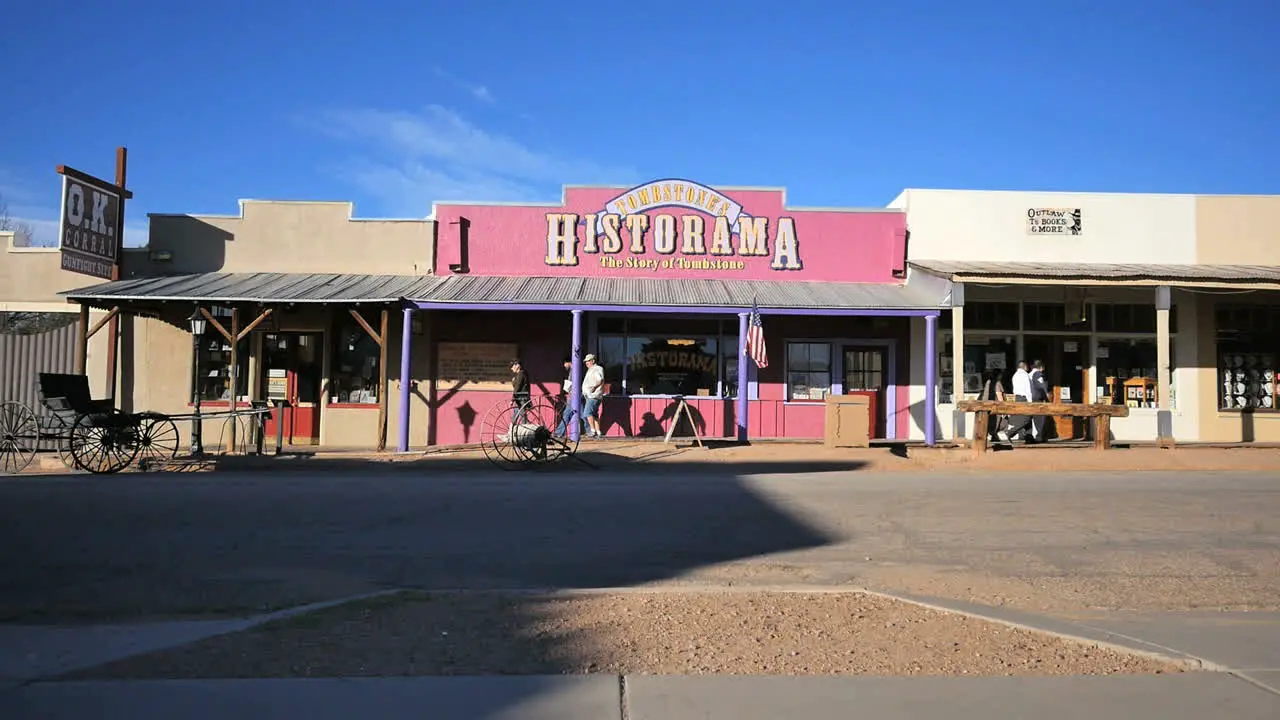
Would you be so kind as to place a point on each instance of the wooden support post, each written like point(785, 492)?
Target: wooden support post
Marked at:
point(113, 328)
point(256, 322)
point(235, 373)
point(382, 383)
point(1102, 432)
point(217, 325)
point(98, 325)
point(981, 421)
point(82, 340)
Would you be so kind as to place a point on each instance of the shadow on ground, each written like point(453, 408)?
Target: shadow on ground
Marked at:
point(166, 544)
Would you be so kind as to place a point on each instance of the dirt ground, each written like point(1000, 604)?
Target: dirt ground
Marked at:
point(1052, 458)
point(695, 633)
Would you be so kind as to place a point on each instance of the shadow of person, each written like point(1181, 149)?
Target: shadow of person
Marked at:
point(650, 427)
point(467, 418)
point(616, 410)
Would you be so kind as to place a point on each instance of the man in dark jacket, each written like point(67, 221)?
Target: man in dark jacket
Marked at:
point(519, 389)
point(1039, 393)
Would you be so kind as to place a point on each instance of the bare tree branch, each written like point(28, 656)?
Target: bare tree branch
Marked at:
point(23, 233)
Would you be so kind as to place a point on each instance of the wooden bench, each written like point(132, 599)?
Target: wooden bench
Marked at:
point(1101, 415)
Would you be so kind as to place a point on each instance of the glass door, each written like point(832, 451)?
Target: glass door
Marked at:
point(291, 363)
point(865, 373)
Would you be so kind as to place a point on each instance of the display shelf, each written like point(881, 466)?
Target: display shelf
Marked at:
point(1247, 381)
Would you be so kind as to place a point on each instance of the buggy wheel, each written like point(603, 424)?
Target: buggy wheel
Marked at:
point(157, 438)
point(61, 434)
point(104, 442)
point(542, 416)
point(495, 436)
point(19, 437)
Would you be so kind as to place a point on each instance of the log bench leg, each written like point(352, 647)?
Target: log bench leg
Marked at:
point(981, 419)
point(1102, 432)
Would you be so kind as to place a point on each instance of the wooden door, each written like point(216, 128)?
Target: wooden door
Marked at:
point(291, 364)
point(866, 373)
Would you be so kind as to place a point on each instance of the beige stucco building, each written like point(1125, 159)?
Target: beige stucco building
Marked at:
point(1110, 290)
point(155, 351)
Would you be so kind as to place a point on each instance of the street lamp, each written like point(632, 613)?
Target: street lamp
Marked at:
point(197, 331)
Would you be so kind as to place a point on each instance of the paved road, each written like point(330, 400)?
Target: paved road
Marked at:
point(146, 546)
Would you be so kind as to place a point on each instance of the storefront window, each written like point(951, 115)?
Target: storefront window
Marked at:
point(665, 356)
point(355, 372)
point(213, 368)
point(672, 366)
point(808, 371)
point(991, 316)
point(1127, 372)
point(1248, 345)
point(729, 361)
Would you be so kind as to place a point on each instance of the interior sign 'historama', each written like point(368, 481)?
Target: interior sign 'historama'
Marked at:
point(626, 234)
point(89, 228)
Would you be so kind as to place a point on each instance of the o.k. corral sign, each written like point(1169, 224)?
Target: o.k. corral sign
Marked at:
point(89, 229)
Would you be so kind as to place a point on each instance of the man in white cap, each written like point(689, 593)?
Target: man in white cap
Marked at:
point(592, 392)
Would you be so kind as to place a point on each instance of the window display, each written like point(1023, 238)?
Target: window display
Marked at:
point(355, 364)
point(1126, 372)
point(981, 353)
point(808, 371)
point(1248, 344)
point(213, 368)
point(650, 356)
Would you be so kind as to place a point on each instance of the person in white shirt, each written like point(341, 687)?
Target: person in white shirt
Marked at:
point(1021, 424)
point(592, 393)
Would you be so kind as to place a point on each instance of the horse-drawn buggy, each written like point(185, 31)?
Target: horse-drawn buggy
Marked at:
point(87, 433)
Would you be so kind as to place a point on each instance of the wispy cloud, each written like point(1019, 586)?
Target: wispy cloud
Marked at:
point(38, 210)
point(410, 160)
point(477, 91)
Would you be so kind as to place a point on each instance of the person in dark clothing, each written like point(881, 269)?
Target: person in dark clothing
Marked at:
point(1039, 393)
point(519, 389)
point(567, 415)
point(993, 391)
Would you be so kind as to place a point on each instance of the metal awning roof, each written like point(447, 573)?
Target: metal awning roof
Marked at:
point(257, 288)
point(482, 290)
point(1103, 273)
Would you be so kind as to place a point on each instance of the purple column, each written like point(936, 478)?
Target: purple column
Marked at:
point(406, 346)
point(930, 379)
point(743, 384)
point(575, 378)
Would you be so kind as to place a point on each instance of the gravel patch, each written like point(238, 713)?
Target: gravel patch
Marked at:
point(690, 633)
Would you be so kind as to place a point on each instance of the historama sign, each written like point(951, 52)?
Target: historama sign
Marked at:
point(672, 228)
point(89, 229)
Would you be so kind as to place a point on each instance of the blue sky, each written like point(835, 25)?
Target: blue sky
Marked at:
point(397, 104)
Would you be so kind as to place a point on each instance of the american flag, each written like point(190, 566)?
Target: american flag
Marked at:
point(755, 338)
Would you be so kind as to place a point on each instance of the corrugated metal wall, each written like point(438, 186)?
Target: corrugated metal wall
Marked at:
point(23, 355)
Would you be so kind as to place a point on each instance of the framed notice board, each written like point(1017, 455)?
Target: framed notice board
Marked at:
point(478, 365)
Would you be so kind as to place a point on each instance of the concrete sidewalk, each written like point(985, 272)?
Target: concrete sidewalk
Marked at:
point(1240, 651)
point(1169, 697)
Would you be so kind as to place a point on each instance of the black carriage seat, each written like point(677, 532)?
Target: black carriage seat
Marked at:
point(67, 396)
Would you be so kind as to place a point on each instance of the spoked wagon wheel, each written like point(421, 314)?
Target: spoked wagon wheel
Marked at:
point(19, 437)
point(543, 413)
point(104, 443)
point(61, 434)
point(157, 438)
point(495, 436)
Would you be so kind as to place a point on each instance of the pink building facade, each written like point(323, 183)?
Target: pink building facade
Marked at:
point(658, 282)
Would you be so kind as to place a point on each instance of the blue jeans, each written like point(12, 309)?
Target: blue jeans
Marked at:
point(589, 407)
point(566, 417)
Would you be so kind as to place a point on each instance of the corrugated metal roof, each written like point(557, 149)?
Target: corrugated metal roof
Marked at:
point(679, 293)
point(1102, 271)
point(259, 287)
point(486, 289)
